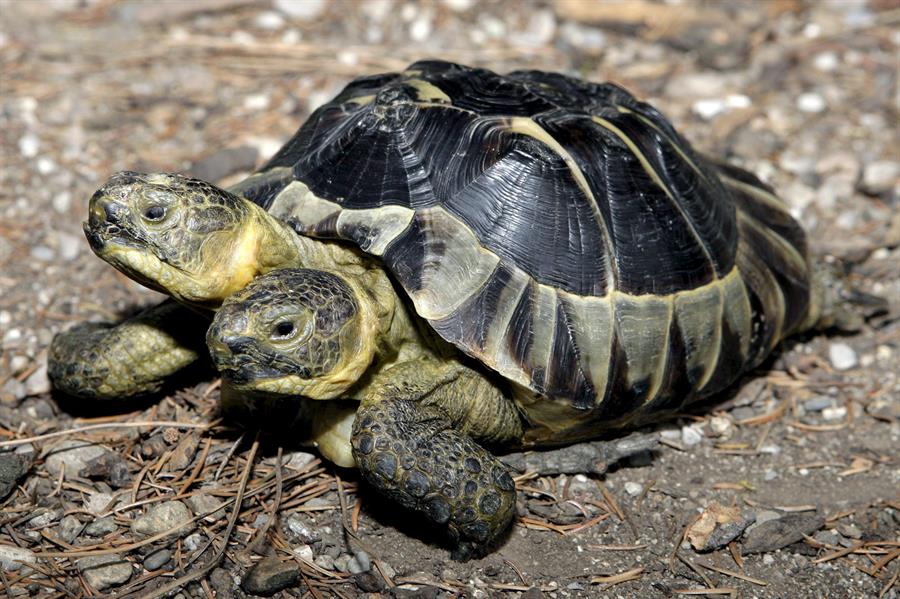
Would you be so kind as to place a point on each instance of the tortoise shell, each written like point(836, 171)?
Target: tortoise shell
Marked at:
point(559, 231)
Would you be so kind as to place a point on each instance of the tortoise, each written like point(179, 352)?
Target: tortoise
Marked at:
point(467, 259)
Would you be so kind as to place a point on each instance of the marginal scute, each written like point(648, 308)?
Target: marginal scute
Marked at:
point(699, 319)
point(642, 327)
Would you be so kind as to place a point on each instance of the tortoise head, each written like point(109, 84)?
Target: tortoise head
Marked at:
point(177, 235)
point(295, 332)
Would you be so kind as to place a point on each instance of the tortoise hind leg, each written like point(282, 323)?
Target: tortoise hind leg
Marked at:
point(130, 359)
point(413, 441)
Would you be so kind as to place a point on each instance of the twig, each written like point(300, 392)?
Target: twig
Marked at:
point(93, 427)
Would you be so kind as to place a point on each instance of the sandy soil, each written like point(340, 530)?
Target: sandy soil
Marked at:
point(802, 93)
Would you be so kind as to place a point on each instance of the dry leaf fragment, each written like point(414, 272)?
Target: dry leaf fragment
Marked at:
point(716, 527)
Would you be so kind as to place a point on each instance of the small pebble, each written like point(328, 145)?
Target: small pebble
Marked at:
point(420, 29)
point(29, 145)
point(836, 413)
point(69, 246)
point(307, 10)
point(720, 426)
point(269, 576)
point(256, 102)
point(69, 528)
point(707, 109)
point(768, 560)
point(826, 61)
point(45, 166)
point(98, 503)
point(193, 542)
point(324, 561)
point(43, 253)
point(101, 527)
point(770, 475)
point(880, 177)
point(304, 552)
point(842, 356)
point(817, 404)
point(459, 5)
point(341, 563)
point(670, 434)
point(811, 102)
point(104, 571)
point(171, 516)
point(12, 558)
point(690, 436)
point(62, 201)
point(305, 533)
point(37, 382)
point(157, 559)
point(634, 489)
point(269, 20)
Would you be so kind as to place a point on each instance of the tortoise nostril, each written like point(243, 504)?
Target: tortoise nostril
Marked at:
point(237, 343)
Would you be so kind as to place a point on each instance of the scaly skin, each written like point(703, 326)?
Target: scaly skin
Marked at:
point(133, 358)
point(307, 333)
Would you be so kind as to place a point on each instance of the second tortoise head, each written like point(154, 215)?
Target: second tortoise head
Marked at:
point(294, 331)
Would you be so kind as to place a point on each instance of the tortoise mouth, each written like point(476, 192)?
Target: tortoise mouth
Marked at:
point(105, 237)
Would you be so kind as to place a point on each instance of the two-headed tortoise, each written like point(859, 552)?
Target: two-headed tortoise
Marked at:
point(582, 267)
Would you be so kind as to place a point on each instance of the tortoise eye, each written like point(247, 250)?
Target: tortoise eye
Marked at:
point(283, 330)
point(154, 213)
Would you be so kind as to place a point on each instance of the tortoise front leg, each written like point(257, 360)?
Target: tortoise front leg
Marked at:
point(129, 359)
point(414, 440)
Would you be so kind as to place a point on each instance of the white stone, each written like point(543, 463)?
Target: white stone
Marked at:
point(709, 108)
point(304, 552)
point(5, 317)
point(768, 560)
point(269, 20)
point(104, 571)
point(98, 503)
point(826, 61)
point(172, 516)
point(256, 102)
point(69, 246)
point(304, 10)
point(738, 101)
point(62, 201)
point(12, 558)
point(880, 176)
point(45, 166)
point(73, 456)
point(29, 145)
point(634, 489)
point(298, 460)
point(842, 356)
point(37, 382)
point(377, 10)
point(720, 425)
point(459, 5)
point(42, 253)
point(243, 38)
point(420, 29)
point(670, 434)
point(836, 413)
point(811, 102)
point(690, 436)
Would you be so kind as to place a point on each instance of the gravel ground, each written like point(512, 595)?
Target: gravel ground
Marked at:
point(802, 93)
